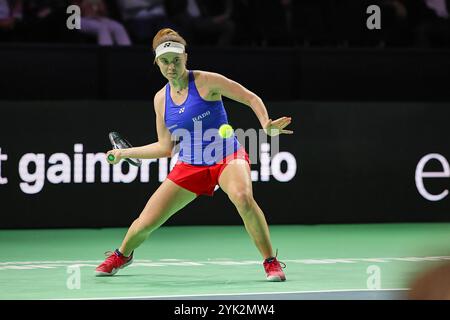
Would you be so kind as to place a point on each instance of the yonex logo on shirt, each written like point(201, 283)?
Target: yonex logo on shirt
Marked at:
point(167, 45)
point(181, 110)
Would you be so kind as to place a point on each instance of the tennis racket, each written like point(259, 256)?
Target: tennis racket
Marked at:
point(119, 142)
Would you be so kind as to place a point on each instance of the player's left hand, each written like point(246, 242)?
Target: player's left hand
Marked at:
point(276, 127)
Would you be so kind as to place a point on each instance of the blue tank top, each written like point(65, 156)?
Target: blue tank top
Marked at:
point(196, 124)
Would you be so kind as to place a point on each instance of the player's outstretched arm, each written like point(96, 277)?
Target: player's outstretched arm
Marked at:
point(160, 149)
point(231, 89)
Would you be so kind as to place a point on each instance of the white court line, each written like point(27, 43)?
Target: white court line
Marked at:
point(219, 261)
point(240, 294)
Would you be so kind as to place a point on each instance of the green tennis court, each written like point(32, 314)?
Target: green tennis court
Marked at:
point(211, 262)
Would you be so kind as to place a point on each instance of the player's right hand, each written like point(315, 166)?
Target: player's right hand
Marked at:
point(117, 153)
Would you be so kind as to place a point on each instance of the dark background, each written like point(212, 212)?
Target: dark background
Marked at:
point(56, 72)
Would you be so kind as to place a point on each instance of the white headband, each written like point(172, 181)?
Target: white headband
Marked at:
point(169, 46)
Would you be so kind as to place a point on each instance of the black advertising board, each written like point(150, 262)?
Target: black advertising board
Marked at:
point(345, 163)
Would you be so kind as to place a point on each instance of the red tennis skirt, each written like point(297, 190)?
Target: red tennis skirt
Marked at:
point(203, 179)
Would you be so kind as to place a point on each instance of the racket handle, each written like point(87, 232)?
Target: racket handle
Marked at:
point(111, 157)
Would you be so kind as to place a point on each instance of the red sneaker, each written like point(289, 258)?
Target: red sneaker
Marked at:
point(274, 270)
point(114, 261)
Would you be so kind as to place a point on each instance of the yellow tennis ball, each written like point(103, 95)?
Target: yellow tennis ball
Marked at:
point(225, 131)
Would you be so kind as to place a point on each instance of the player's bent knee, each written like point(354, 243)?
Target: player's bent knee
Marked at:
point(242, 199)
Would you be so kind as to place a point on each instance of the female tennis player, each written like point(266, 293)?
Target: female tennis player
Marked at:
point(193, 98)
